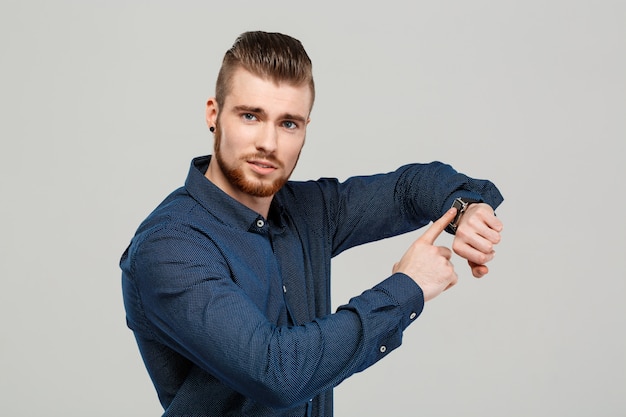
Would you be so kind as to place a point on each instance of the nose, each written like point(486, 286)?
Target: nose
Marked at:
point(267, 139)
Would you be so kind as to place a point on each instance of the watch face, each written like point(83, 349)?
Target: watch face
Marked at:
point(459, 204)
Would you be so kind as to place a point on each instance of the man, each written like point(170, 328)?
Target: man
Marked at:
point(227, 283)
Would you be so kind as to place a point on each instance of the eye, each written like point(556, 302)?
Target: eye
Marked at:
point(290, 125)
point(248, 116)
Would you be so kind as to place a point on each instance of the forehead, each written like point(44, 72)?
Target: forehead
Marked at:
point(248, 89)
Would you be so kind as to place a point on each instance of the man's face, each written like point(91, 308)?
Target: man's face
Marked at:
point(259, 134)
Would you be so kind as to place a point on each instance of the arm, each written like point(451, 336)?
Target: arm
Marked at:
point(379, 206)
point(368, 208)
point(192, 305)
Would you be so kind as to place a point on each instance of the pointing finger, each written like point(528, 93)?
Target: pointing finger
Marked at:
point(438, 226)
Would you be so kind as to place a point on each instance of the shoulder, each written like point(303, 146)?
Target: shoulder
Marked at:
point(306, 196)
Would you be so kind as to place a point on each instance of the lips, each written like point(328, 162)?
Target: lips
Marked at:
point(262, 164)
point(262, 167)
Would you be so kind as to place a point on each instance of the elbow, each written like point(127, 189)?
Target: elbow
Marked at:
point(281, 390)
point(278, 397)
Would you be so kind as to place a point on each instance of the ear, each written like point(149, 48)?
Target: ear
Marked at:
point(211, 112)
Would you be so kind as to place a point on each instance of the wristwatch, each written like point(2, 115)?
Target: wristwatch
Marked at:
point(461, 204)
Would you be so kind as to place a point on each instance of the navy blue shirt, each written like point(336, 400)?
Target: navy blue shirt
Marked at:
point(231, 311)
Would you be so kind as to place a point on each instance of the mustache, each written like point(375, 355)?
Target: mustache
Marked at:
point(264, 156)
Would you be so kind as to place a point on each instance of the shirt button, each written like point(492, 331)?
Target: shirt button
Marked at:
point(260, 223)
point(284, 289)
point(413, 315)
point(383, 349)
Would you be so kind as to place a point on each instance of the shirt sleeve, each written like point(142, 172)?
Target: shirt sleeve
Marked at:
point(364, 209)
point(187, 300)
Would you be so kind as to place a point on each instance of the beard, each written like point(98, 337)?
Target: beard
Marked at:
point(237, 178)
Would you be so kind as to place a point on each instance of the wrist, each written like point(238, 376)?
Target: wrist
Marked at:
point(461, 204)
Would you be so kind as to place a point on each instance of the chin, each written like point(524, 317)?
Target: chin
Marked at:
point(261, 188)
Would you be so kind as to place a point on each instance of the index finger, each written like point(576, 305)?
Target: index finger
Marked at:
point(438, 226)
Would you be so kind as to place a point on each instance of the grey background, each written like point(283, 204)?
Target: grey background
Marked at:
point(102, 109)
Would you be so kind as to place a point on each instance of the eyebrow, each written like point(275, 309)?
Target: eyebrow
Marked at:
point(260, 111)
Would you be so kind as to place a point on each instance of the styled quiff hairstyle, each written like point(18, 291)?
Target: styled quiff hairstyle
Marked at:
point(273, 56)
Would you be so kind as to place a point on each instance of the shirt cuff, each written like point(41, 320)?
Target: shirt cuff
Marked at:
point(407, 295)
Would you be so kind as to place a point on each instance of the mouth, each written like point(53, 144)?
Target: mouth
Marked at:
point(261, 166)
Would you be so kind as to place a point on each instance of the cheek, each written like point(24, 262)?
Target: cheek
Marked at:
point(293, 152)
point(230, 143)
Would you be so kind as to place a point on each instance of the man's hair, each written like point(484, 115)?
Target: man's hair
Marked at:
point(273, 56)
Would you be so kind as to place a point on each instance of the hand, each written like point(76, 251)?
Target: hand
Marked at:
point(428, 265)
point(478, 232)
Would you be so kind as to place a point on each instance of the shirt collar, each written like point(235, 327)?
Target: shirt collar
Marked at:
point(221, 205)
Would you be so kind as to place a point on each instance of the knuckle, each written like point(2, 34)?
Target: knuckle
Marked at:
point(453, 278)
point(482, 258)
point(463, 232)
